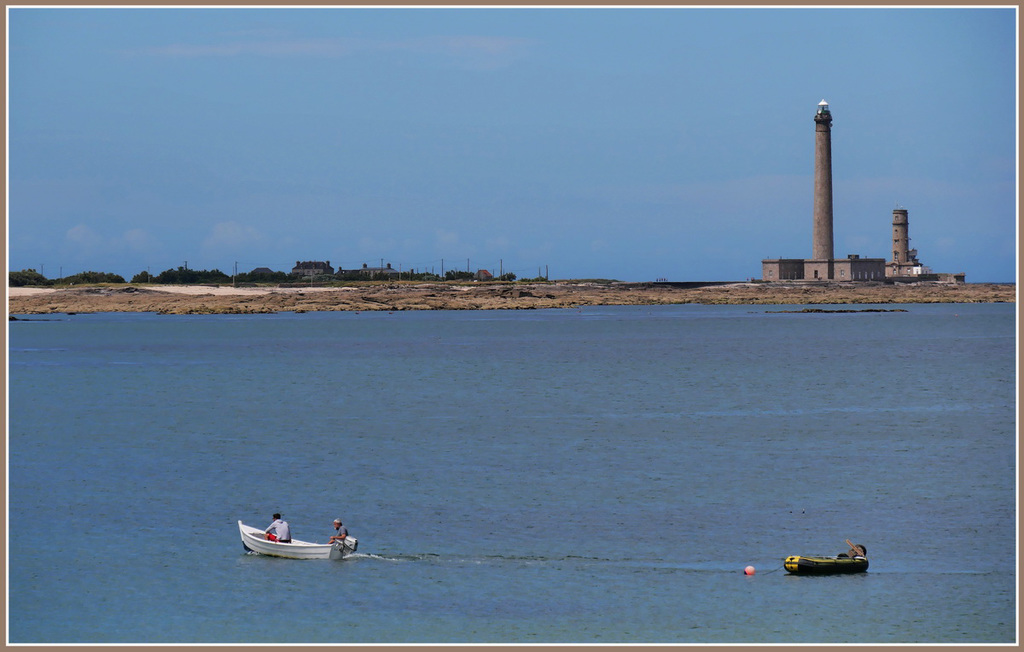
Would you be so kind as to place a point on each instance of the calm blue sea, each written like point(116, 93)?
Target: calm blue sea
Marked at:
point(600, 475)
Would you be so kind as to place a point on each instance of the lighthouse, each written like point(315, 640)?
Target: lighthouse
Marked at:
point(823, 266)
point(822, 246)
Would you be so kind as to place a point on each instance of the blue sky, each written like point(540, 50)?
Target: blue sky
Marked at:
point(626, 143)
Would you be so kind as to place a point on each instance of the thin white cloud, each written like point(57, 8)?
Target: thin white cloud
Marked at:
point(497, 243)
point(445, 239)
point(231, 236)
point(264, 48)
point(375, 247)
point(138, 241)
point(83, 246)
point(487, 51)
point(83, 237)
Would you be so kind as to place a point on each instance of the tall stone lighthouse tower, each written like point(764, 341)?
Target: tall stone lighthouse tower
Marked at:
point(822, 248)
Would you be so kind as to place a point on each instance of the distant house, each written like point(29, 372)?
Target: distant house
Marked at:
point(483, 275)
point(376, 272)
point(312, 268)
point(262, 270)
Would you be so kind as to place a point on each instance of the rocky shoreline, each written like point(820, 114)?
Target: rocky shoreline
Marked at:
point(481, 296)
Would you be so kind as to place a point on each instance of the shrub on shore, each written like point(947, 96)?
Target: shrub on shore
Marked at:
point(26, 277)
point(91, 278)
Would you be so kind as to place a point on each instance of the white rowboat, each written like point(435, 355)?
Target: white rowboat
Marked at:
point(254, 540)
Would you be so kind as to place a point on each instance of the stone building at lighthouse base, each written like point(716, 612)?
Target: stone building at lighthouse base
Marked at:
point(851, 268)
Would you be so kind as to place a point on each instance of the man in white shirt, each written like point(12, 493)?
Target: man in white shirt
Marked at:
point(282, 533)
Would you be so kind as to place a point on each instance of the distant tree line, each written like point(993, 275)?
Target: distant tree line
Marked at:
point(185, 276)
point(32, 277)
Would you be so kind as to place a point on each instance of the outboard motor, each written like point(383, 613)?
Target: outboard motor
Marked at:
point(345, 548)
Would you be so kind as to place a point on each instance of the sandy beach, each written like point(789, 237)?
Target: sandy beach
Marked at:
point(208, 299)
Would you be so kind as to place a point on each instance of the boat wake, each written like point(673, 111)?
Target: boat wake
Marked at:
point(391, 558)
point(763, 567)
point(657, 565)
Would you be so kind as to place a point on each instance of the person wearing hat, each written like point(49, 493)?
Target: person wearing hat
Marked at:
point(342, 532)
